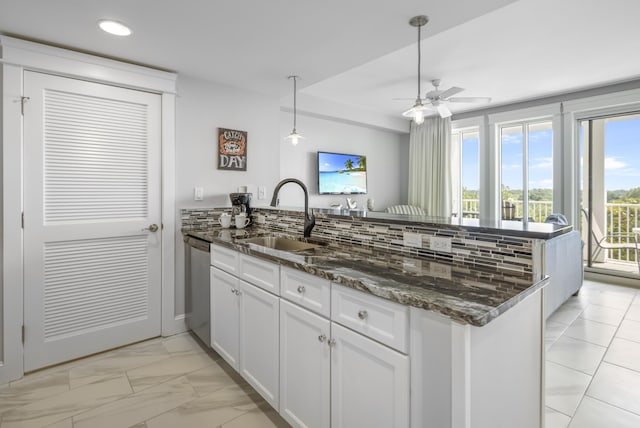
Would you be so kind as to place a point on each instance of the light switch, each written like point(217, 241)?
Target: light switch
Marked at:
point(198, 193)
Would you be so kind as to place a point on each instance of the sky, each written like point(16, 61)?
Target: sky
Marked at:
point(622, 158)
point(330, 162)
point(540, 159)
point(622, 154)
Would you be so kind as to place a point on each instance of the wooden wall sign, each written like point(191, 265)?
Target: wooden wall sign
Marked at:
point(232, 149)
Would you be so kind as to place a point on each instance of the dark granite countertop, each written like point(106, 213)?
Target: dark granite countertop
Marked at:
point(529, 229)
point(465, 293)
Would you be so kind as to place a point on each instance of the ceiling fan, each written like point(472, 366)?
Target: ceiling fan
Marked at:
point(437, 98)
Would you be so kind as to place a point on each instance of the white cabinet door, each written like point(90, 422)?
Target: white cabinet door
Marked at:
point(304, 367)
point(259, 340)
point(369, 383)
point(225, 307)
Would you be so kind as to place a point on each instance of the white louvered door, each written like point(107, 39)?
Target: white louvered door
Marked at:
point(91, 188)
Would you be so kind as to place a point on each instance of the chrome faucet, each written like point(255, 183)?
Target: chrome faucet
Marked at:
point(309, 220)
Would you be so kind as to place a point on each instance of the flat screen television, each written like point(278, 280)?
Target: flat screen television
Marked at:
point(341, 174)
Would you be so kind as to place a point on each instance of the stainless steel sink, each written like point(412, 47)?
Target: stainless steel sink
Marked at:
point(281, 243)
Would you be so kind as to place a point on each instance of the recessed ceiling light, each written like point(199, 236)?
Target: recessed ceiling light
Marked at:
point(114, 27)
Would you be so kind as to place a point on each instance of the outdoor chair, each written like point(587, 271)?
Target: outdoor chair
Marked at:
point(603, 241)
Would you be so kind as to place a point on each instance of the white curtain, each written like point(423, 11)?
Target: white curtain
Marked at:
point(430, 166)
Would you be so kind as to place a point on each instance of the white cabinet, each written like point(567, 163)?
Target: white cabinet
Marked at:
point(382, 320)
point(369, 382)
point(245, 331)
point(306, 290)
point(259, 339)
point(225, 259)
point(299, 350)
point(333, 377)
point(225, 321)
point(304, 367)
point(264, 274)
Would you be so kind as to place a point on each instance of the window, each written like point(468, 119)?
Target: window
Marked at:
point(526, 153)
point(466, 183)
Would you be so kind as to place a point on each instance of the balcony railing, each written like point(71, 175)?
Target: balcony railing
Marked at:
point(620, 219)
point(538, 210)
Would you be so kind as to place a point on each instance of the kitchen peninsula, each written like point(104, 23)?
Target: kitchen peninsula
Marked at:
point(465, 326)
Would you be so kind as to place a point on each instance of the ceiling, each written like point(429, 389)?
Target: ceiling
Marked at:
point(357, 53)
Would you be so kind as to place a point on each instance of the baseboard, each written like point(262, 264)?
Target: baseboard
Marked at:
point(177, 325)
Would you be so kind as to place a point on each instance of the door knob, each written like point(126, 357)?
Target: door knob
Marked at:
point(152, 228)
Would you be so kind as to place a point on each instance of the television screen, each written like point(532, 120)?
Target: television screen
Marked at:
point(341, 174)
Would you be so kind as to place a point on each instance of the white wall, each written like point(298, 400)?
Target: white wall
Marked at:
point(386, 152)
point(202, 107)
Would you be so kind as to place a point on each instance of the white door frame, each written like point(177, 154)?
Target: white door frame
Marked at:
point(17, 56)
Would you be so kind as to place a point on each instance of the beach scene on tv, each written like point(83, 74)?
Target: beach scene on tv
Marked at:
point(341, 173)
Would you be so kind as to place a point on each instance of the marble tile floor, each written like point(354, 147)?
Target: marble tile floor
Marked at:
point(164, 382)
point(592, 378)
point(593, 359)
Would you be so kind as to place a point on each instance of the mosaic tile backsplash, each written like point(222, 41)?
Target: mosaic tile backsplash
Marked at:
point(467, 247)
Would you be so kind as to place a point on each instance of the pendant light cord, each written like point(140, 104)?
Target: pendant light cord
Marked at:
point(419, 58)
point(294, 102)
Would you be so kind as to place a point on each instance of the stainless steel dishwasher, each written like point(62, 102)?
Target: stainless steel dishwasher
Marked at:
point(197, 292)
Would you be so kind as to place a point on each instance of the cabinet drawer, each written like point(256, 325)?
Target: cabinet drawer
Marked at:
point(380, 319)
point(261, 273)
point(306, 290)
point(225, 259)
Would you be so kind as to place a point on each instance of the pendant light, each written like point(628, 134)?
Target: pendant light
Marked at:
point(294, 137)
point(417, 111)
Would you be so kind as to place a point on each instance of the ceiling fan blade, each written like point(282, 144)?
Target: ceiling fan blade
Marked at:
point(402, 99)
point(450, 92)
point(470, 99)
point(443, 110)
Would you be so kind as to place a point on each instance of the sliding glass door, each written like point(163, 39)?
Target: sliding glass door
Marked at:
point(610, 192)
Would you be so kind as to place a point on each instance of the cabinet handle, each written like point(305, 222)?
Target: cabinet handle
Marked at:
point(301, 289)
point(238, 292)
point(362, 314)
point(322, 338)
point(331, 342)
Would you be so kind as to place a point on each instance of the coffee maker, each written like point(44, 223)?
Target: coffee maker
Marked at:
point(241, 202)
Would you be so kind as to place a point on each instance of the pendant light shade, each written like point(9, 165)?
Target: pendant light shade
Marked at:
point(417, 112)
point(294, 137)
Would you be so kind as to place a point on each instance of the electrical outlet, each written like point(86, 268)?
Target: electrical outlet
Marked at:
point(262, 192)
point(440, 244)
point(439, 270)
point(198, 193)
point(412, 240)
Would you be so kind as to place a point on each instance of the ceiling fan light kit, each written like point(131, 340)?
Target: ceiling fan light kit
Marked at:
point(416, 112)
point(294, 137)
